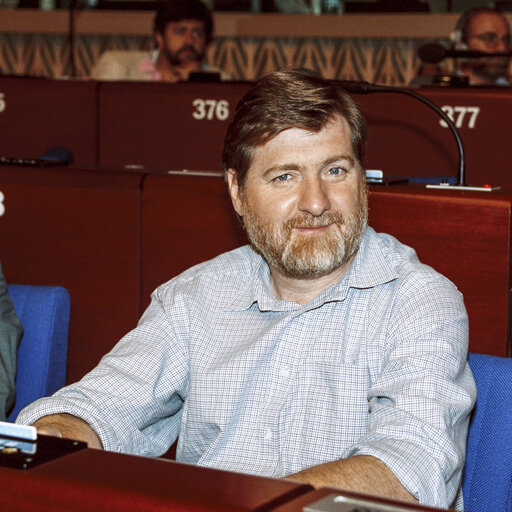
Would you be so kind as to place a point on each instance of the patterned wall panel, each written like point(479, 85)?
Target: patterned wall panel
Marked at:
point(384, 61)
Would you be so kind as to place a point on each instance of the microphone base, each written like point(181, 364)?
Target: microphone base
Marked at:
point(446, 186)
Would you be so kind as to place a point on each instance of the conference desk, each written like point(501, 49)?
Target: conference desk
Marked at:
point(112, 236)
point(167, 126)
point(182, 126)
point(104, 481)
point(79, 229)
point(464, 235)
point(407, 138)
point(37, 114)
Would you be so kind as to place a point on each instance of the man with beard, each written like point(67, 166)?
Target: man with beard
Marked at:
point(487, 30)
point(183, 29)
point(323, 352)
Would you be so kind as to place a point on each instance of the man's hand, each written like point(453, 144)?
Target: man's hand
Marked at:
point(68, 426)
point(361, 473)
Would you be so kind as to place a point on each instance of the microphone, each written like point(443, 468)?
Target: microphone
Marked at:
point(433, 53)
point(58, 154)
point(361, 87)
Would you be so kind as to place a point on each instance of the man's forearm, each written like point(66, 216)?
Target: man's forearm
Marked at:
point(361, 473)
point(70, 427)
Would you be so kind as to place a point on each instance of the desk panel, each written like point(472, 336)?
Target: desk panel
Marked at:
point(78, 229)
point(465, 236)
point(112, 482)
point(158, 125)
point(166, 126)
point(481, 116)
point(37, 114)
point(104, 481)
point(186, 220)
point(406, 138)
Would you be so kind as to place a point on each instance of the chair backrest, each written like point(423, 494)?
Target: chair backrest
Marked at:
point(41, 368)
point(487, 479)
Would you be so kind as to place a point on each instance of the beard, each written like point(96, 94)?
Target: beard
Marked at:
point(491, 68)
point(181, 56)
point(312, 255)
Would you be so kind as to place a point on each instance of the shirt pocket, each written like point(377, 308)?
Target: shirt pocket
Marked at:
point(328, 411)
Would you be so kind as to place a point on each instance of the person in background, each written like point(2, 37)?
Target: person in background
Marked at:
point(323, 352)
point(10, 336)
point(487, 30)
point(182, 30)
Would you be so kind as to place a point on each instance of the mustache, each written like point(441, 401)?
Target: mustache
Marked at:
point(308, 221)
point(190, 49)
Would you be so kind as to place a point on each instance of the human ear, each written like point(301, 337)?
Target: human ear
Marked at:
point(159, 38)
point(234, 191)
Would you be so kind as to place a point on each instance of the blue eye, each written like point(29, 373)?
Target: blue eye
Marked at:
point(283, 177)
point(336, 171)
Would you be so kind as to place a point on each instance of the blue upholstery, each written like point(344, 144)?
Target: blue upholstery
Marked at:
point(487, 483)
point(44, 314)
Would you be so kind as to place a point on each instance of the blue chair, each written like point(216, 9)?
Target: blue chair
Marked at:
point(41, 368)
point(487, 479)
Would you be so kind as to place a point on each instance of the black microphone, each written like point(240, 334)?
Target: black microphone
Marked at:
point(58, 154)
point(434, 53)
point(360, 87)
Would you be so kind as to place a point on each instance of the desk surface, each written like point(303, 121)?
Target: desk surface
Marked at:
point(167, 126)
point(104, 481)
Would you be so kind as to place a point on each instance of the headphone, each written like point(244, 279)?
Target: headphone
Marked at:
point(459, 36)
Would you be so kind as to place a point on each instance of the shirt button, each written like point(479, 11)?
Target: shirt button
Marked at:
point(268, 434)
point(285, 371)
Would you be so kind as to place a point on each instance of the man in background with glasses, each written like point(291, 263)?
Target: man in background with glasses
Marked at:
point(487, 30)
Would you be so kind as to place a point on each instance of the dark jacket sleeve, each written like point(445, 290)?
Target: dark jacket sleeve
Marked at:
point(10, 335)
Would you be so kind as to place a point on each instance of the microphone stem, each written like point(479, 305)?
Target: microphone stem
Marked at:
point(441, 113)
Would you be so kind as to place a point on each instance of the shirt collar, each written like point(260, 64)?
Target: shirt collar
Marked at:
point(369, 268)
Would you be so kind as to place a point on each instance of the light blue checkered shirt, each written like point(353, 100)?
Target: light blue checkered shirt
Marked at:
point(376, 365)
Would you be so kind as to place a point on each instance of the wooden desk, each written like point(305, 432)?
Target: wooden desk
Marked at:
point(111, 482)
point(465, 236)
point(111, 237)
point(37, 114)
point(104, 481)
point(182, 126)
point(167, 126)
point(406, 138)
point(78, 229)
point(186, 219)
point(157, 126)
point(370, 504)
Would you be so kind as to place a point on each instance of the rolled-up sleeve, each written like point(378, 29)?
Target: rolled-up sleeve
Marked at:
point(132, 399)
point(422, 396)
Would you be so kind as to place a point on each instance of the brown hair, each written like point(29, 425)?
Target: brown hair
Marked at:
point(168, 11)
point(282, 100)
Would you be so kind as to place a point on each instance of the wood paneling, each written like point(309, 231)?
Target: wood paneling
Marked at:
point(78, 229)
